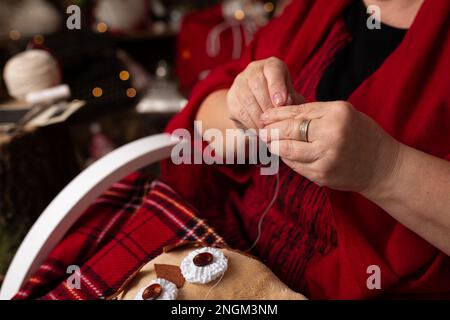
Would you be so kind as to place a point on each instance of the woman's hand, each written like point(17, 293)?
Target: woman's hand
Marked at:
point(261, 86)
point(347, 150)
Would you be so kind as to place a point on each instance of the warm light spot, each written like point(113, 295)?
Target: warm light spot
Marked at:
point(268, 7)
point(38, 39)
point(15, 35)
point(97, 92)
point(131, 93)
point(102, 27)
point(35, 280)
point(124, 75)
point(239, 14)
point(186, 54)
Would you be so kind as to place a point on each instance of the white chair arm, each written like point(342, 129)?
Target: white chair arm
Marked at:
point(74, 199)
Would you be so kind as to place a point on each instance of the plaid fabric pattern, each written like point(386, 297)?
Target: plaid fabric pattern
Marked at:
point(125, 228)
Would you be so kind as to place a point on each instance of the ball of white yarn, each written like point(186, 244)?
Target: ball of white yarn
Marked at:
point(169, 290)
point(29, 17)
point(121, 15)
point(205, 274)
point(31, 71)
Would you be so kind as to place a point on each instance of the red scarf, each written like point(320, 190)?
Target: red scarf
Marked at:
point(408, 96)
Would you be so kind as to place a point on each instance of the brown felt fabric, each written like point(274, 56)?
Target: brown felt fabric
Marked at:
point(171, 273)
point(246, 279)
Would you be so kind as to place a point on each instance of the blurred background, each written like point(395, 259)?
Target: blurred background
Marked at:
point(80, 78)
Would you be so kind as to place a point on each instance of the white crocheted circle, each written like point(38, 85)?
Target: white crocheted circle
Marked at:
point(169, 290)
point(202, 275)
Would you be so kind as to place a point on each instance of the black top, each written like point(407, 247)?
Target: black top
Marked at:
point(362, 57)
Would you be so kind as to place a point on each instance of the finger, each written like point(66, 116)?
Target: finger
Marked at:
point(294, 150)
point(258, 86)
point(250, 112)
point(238, 115)
point(295, 98)
point(302, 111)
point(278, 80)
point(238, 124)
point(290, 130)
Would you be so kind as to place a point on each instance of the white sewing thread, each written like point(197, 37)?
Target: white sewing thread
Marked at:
point(169, 290)
point(214, 286)
point(261, 220)
point(206, 274)
point(266, 211)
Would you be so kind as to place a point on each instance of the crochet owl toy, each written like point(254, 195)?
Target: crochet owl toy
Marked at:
point(191, 272)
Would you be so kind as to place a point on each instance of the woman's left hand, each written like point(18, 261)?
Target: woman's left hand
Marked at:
point(346, 149)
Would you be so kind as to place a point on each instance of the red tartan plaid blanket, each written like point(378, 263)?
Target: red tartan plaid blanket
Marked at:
point(125, 228)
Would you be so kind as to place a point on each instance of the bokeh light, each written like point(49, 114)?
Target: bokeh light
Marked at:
point(124, 75)
point(97, 92)
point(102, 27)
point(15, 35)
point(39, 39)
point(239, 14)
point(269, 7)
point(186, 54)
point(131, 93)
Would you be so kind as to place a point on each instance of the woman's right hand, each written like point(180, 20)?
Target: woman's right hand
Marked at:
point(264, 84)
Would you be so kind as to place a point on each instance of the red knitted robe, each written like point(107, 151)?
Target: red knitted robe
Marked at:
point(321, 242)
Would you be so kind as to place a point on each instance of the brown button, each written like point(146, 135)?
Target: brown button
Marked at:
point(203, 259)
point(152, 292)
point(170, 273)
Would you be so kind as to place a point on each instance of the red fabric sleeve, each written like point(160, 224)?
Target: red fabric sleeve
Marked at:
point(222, 77)
point(270, 40)
point(219, 78)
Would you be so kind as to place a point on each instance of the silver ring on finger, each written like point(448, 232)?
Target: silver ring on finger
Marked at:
point(304, 128)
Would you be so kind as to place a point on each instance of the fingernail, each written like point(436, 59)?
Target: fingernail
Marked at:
point(274, 147)
point(264, 117)
point(278, 99)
